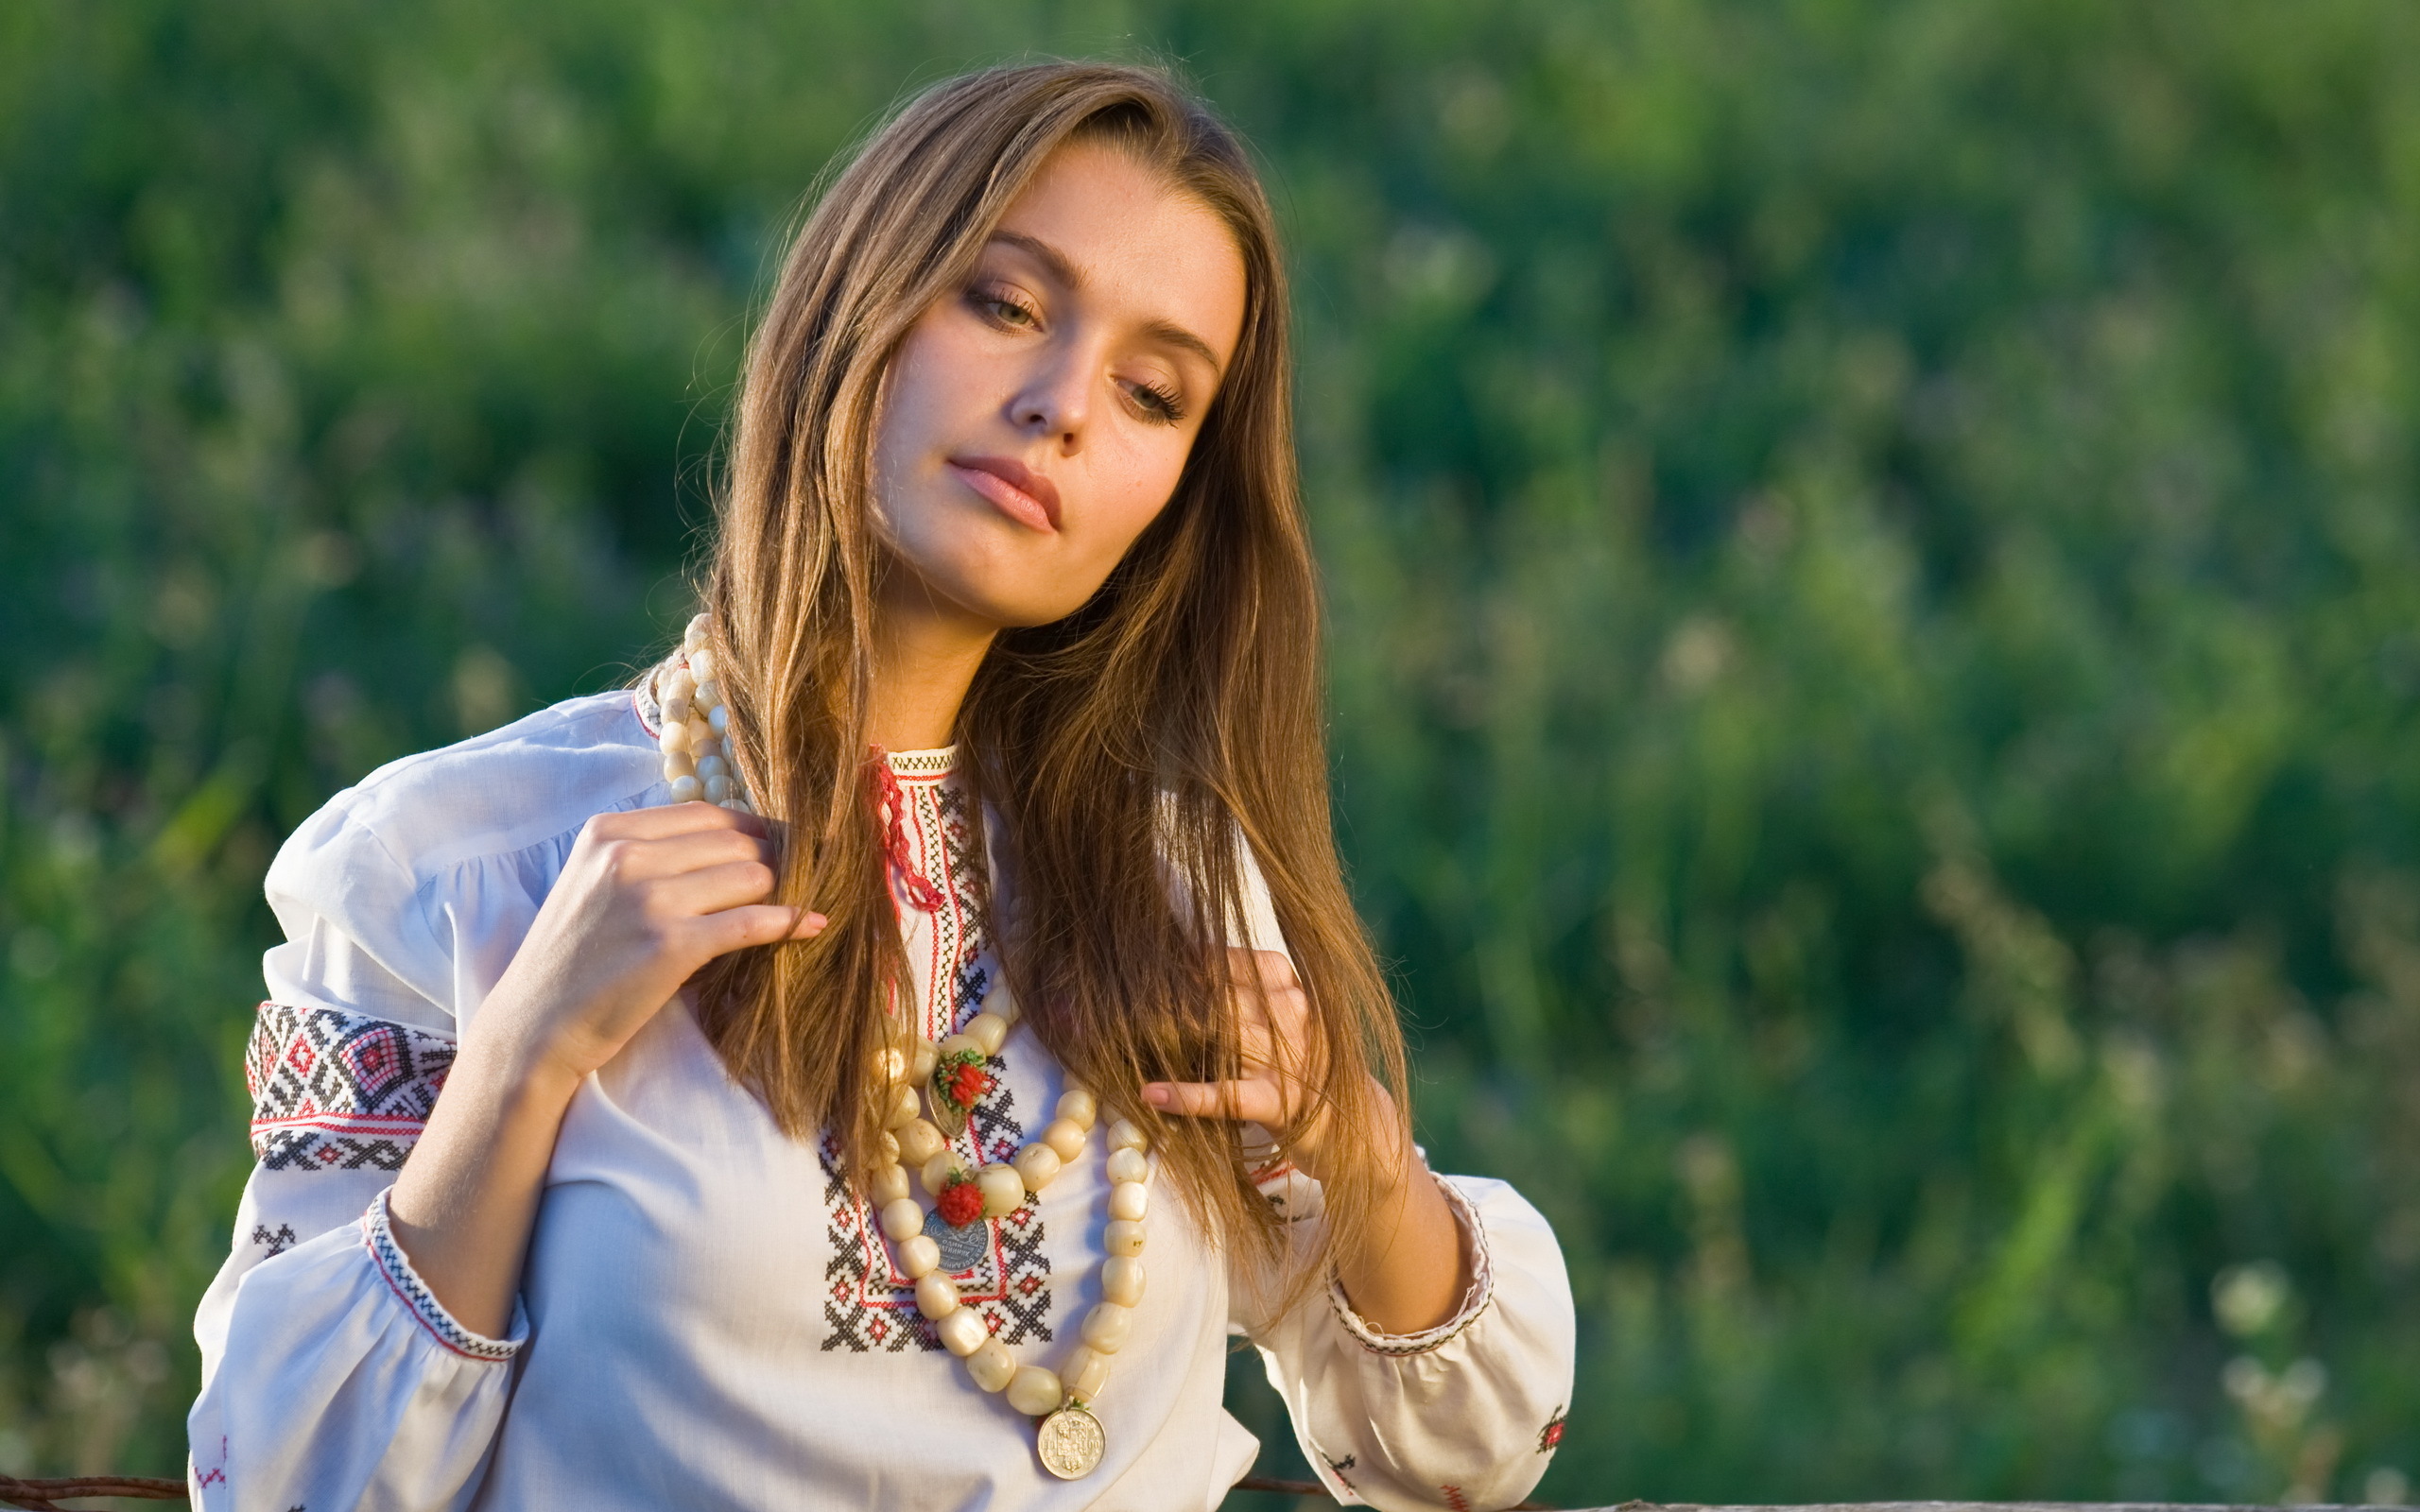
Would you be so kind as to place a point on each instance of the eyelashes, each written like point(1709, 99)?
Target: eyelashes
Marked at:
point(1157, 403)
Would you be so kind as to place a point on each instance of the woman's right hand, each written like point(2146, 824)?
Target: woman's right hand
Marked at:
point(647, 897)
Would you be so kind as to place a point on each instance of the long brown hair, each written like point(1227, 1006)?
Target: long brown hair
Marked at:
point(1124, 750)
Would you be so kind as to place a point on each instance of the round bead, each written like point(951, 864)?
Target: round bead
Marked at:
point(1065, 1138)
point(1037, 1166)
point(1000, 1002)
point(889, 1184)
point(680, 687)
point(919, 1257)
point(694, 636)
point(1123, 1236)
point(677, 766)
point(920, 1142)
point(1034, 1391)
point(988, 1031)
point(709, 696)
point(936, 1295)
point(1129, 1165)
point(701, 666)
point(676, 710)
point(959, 1044)
point(1083, 1373)
point(710, 767)
point(938, 1171)
point(738, 805)
point(890, 1064)
point(1107, 1326)
point(675, 739)
point(1003, 1189)
point(1077, 1107)
point(922, 1059)
point(889, 1146)
point(902, 1219)
point(718, 719)
point(699, 731)
point(1121, 1281)
point(992, 1366)
point(1129, 1200)
point(687, 790)
point(903, 1106)
point(717, 789)
point(963, 1332)
point(1123, 1135)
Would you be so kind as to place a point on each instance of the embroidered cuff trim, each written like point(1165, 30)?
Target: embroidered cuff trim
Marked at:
point(396, 1270)
point(1474, 1299)
point(339, 1092)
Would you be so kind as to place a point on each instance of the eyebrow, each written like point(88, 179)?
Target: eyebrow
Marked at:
point(1054, 261)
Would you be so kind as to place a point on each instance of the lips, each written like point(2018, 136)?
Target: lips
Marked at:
point(1012, 488)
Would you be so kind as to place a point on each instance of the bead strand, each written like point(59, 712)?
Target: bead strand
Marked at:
point(697, 722)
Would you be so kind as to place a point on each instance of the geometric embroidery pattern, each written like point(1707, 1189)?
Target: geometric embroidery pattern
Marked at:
point(333, 1090)
point(423, 1304)
point(868, 1307)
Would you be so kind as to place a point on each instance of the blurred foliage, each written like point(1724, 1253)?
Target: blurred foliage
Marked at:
point(1876, 601)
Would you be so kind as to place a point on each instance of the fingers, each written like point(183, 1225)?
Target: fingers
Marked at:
point(1268, 970)
point(630, 859)
point(734, 929)
point(673, 819)
point(1249, 1100)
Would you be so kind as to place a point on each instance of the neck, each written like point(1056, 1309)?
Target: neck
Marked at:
point(925, 653)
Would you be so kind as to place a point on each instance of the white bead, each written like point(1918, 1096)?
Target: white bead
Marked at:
point(1003, 1189)
point(1129, 1165)
point(674, 739)
point(902, 1219)
point(988, 1030)
point(890, 1064)
point(1083, 1373)
point(889, 1146)
point(1034, 1391)
point(919, 1257)
point(1123, 1135)
point(992, 1366)
point(903, 1107)
point(702, 665)
point(737, 805)
point(717, 789)
point(938, 1171)
point(1121, 1281)
point(709, 696)
point(694, 636)
point(1038, 1165)
point(1107, 1326)
point(687, 790)
point(957, 1044)
point(718, 719)
point(676, 712)
point(920, 1142)
point(700, 733)
point(680, 687)
point(889, 1184)
point(936, 1295)
point(1123, 1237)
point(1002, 1001)
point(677, 766)
point(1065, 1138)
point(1077, 1107)
point(1129, 1200)
point(963, 1332)
point(710, 767)
point(921, 1060)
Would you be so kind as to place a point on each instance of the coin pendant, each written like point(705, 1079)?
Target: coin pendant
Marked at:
point(1070, 1442)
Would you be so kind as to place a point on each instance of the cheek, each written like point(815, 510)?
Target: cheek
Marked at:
point(1135, 485)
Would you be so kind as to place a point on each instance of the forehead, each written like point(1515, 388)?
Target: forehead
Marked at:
point(1144, 249)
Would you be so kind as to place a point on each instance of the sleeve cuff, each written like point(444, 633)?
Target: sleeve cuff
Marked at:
point(395, 1269)
point(1474, 1299)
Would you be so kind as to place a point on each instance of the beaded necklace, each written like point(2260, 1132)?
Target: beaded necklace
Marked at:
point(951, 1076)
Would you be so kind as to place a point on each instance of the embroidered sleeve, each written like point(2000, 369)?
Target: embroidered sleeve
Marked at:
point(396, 1269)
point(1476, 1297)
point(333, 1090)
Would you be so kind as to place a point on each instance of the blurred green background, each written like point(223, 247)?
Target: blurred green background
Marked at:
point(1875, 645)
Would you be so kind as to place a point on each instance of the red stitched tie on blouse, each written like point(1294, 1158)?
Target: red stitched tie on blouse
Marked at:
point(920, 888)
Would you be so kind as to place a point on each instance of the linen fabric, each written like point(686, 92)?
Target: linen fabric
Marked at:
point(708, 1316)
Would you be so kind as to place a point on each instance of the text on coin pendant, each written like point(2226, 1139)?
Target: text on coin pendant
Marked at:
point(1070, 1442)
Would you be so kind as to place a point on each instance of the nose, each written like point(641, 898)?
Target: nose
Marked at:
point(1054, 404)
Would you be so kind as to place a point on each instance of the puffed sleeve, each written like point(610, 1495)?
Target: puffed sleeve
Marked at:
point(331, 1377)
point(1466, 1415)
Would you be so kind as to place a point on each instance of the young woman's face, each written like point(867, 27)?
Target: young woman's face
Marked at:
point(1037, 419)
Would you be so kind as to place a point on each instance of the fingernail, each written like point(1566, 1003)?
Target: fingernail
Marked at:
point(1155, 1095)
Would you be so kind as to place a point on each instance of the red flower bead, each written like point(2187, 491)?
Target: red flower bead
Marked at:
point(968, 1083)
point(960, 1203)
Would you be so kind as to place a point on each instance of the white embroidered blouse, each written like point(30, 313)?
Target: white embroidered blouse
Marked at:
point(708, 1317)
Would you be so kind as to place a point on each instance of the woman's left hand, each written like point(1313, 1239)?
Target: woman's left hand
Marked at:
point(1283, 1067)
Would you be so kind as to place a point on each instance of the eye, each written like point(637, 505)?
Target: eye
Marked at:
point(1004, 308)
point(1160, 405)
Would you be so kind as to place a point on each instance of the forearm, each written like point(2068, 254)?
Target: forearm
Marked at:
point(468, 1194)
point(1409, 1269)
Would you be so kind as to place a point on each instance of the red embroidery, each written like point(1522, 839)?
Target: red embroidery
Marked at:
point(1454, 1498)
point(919, 888)
point(1551, 1435)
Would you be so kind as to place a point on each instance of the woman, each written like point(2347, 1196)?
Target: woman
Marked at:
point(1039, 960)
